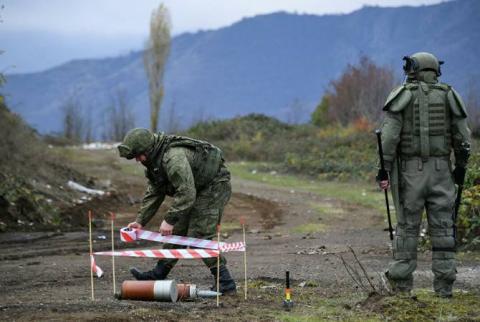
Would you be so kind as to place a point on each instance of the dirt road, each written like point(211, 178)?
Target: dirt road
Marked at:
point(45, 275)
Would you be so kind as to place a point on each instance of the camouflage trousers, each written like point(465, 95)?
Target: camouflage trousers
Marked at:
point(202, 220)
point(425, 186)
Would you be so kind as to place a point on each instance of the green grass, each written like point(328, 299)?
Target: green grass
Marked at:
point(463, 306)
point(230, 226)
point(357, 193)
point(428, 307)
point(309, 228)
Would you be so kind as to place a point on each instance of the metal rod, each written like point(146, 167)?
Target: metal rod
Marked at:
point(113, 257)
point(245, 255)
point(218, 266)
point(382, 167)
point(91, 251)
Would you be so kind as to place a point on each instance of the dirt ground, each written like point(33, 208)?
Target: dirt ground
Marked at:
point(45, 275)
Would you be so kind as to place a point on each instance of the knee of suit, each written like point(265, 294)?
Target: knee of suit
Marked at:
point(402, 270)
point(442, 255)
point(442, 239)
point(443, 243)
point(407, 231)
point(405, 248)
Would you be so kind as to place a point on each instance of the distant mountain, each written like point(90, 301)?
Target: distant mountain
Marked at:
point(262, 64)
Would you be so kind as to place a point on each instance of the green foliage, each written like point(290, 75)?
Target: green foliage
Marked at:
point(469, 213)
point(319, 116)
point(31, 177)
point(332, 152)
point(341, 153)
point(252, 137)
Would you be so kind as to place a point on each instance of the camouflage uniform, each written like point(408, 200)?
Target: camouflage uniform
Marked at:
point(194, 174)
point(425, 120)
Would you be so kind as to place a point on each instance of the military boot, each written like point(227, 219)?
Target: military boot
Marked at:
point(227, 284)
point(160, 272)
point(400, 288)
point(443, 289)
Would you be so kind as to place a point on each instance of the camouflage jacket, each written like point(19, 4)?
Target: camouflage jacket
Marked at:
point(178, 167)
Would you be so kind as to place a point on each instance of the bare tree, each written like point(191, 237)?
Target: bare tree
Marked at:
point(360, 92)
point(173, 121)
point(472, 100)
point(200, 116)
point(73, 120)
point(155, 58)
point(296, 112)
point(89, 135)
point(120, 118)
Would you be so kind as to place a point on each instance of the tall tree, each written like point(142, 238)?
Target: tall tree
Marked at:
point(360, 92)
point(155, 58)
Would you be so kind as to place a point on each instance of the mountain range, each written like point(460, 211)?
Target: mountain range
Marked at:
point(277, 64)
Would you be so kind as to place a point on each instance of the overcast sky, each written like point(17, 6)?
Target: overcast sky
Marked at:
point(39, 34)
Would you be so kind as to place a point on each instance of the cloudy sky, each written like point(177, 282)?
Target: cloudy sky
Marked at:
point(39, 34)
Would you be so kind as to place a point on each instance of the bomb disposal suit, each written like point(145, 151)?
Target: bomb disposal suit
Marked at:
point(425, 121)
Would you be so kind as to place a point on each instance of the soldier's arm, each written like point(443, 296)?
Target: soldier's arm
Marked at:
point(396, 102)
point(461, 134)
point(391, 128)
point(180, 175)
point(151, 201)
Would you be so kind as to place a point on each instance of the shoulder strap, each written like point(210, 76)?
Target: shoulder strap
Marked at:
point(398, 99)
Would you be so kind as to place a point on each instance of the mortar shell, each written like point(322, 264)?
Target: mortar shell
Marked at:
point(207, 294)
point(186, 291)
point(150, 290)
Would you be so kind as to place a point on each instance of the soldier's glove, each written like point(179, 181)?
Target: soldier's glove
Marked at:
point(382, 175)
point(459, 175)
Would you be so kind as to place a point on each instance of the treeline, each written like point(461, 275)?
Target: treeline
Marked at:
point(78, 124)
point(333, 152)
point(359, 93)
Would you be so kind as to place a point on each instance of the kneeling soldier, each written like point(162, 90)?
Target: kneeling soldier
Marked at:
point(194, 174)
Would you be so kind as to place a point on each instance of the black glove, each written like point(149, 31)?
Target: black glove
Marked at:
point(459, 175)
point(382, 175)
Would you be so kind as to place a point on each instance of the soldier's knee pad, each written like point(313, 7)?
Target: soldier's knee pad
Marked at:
point(405, 244)
point(401, 270)
point(442, 240)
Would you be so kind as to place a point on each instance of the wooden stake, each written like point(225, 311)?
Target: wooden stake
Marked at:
point(242, 221)
point(218, 266)
point(91, 251)
point(113, 257)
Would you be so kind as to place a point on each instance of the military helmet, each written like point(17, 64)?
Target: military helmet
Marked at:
point(137, 141)
point(421, 61)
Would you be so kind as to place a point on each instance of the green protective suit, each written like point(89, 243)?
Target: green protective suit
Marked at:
point(194, 174)
point(425, 121)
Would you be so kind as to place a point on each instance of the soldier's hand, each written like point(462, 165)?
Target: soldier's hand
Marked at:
point(134, 225)
point(165, 228)
point(382, 178)
point(384, 184)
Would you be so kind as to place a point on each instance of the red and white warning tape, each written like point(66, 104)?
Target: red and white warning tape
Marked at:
point(97, 270)
point(131, 235)
point(164, 253)
point(210, 248)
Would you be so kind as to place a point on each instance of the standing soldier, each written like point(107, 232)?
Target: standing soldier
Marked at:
point(425, 120)
point(194, 174)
